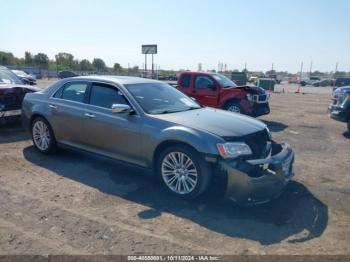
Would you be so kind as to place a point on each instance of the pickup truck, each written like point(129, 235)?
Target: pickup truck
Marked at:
point(218, 91)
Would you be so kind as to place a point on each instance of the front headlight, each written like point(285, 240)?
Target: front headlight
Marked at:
point(233, 149)
point(251, 98)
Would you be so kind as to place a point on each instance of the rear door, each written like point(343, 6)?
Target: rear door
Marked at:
point(66, 108)
point(205, 90)
point(117, 135)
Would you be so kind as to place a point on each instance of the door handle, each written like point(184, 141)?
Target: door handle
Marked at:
point(53, 106)
point(89, 115)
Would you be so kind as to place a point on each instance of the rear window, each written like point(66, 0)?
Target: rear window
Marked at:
point(185, 80)
point(72, 92)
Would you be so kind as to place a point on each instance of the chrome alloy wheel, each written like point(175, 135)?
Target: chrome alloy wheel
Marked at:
point(179, 172)
point(41, 135)
point(234, 108)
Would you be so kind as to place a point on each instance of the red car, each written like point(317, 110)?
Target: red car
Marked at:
point(216, 90)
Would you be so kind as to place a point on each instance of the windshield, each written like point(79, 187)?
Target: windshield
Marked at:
point(20, 73)
point(224, 81)
point(160, 98)
point(7, 77)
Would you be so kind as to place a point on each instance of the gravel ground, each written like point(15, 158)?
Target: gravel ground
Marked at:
point(72, 203)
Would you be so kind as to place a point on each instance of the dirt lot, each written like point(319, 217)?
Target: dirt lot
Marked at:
point(73, 203)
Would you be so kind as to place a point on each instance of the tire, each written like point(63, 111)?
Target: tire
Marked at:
point(234, 106)
point(349, 126)
point(179, 181)
point(43, 136)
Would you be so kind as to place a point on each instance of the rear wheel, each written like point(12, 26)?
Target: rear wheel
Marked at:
point(183, 171)
point(43, 136)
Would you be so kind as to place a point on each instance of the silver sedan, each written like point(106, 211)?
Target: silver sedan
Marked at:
point(153, 125)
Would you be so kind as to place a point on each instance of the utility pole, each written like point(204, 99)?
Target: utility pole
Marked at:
point(336, 69)
point(301, 74)
point(152, 66)
point(272, 67)
point(310, 69)
point(146, 65)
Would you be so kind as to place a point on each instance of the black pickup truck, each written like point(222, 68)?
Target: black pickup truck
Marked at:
point(339, 108)
point(12, 92)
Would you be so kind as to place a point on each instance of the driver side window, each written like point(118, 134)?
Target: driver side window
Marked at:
point(105, 96)
point(203, 82)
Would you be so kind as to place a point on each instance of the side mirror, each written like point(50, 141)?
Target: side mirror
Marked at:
point(121, 108)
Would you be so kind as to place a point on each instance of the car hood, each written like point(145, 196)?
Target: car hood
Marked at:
point(255, 90)
point(219, 122)
point(343, 89)
point(14, 88)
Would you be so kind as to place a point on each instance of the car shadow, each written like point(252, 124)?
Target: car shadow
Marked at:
point(296, 216)
point(12, 132)
point(346, 135)
point(275, 126)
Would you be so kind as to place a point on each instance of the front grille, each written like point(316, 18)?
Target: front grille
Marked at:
point(259, 143)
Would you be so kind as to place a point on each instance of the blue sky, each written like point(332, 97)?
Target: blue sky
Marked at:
point(259, 32)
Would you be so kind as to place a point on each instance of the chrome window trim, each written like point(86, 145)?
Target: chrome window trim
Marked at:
point(91, 82)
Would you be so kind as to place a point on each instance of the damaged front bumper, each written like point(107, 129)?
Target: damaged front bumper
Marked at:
point(258, 181)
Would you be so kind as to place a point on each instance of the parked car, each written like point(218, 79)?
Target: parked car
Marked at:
point(324, 82)
point(155, 126)
point(26, 78)
point(218, 91)
point(339, 108)
point(309, 81)
point(12, 91)
point(66, 74)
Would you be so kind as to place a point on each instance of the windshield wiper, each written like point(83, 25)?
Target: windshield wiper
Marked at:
point(176, 111)
point(193, 108)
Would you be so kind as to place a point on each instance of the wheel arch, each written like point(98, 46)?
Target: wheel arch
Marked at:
point(229, 100)
point(166, 144)
point(36, 115)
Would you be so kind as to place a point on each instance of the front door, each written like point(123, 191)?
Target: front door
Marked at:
point(113, 134)
point(205, 90)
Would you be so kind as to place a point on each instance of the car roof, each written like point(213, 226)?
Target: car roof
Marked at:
point(123, 80)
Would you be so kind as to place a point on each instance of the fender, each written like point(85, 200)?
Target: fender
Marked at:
point(227, 94)
point(194, 138)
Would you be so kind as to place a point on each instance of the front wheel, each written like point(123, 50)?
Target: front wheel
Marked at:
point(234, 106)
point(43, 136)
point(183, 171)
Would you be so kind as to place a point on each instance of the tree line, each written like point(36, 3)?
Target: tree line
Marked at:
point(62, 61)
